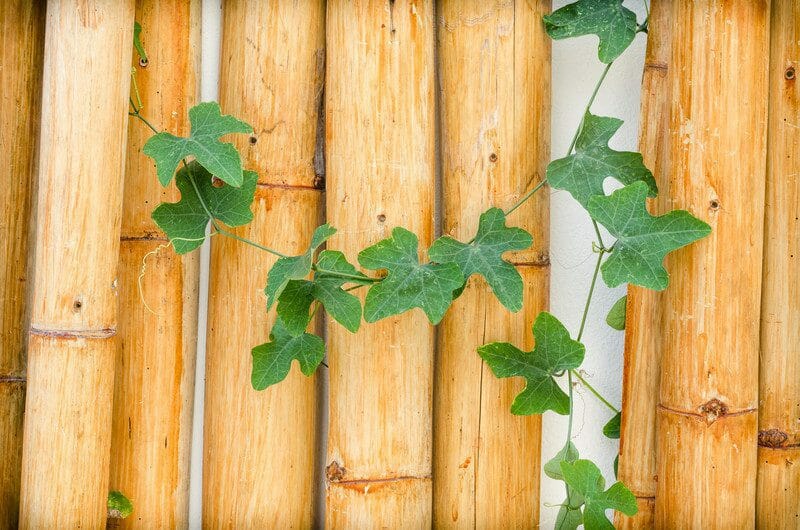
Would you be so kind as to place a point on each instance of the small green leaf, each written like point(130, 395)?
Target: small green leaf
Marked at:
point(611, 429)
point(185, 221)
point(554, 352)
point(119, 506)
point(208, 124)
point(568, 453)
point(569, 518)
point(294, 267)
point(616, 466)
point(409, 283)
point(642, 240)
point(613, 24)
point(137, 41)
point(484, 256)
point(273, 360)
point(583, 172)
point(616, 316)
point(584, 478)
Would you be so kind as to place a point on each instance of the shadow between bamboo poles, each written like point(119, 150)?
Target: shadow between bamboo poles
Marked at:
point(21, 55)
point(645, 308)
point(380, 159)
point(71, 350)
point(495, 132)
point(706, 424)
point(154, 380)
point(778, 487)
point(259, 452)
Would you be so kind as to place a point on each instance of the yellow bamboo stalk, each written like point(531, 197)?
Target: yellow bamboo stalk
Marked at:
point(644, 330)
point(778, 488)
point(494, 71)
point(71, 349)
point(380, 123)
point(154, 382)
point(21, 50)
point(259, 455)
point(706, 424)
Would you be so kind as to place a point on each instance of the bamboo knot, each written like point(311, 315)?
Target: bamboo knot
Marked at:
point(713, 410)
point(335, 472)
point(772, 438)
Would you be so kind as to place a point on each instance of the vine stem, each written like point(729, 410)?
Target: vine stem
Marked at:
point(594, 391)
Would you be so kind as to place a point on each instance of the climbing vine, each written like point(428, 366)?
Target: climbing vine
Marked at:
point(217, 192)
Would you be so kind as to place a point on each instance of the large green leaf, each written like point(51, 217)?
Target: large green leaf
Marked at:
point(208, 124)
point(554, 353)
point(613, 24)
point(273, 360)
point(583, 172)
point(642, 240)
point(185, 221)
point(584, 478)
point(409, 283)
point(484, 256)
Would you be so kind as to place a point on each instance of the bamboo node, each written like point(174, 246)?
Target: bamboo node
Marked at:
point(772, 438)
point(335, 471)
point(713, 410)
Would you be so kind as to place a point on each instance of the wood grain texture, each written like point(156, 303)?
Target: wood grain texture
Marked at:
point(380, 135)
point(21, 50)
point(154, 382)
point(259, 454)
point(706, 430)
point(495, 145)
point(778, 489)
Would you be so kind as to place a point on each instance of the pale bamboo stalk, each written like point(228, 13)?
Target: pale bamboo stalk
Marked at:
point(380, 132)
point(778, 488)
point(495, 132)
point(72, 343)
point(21, 50)
point(706, 423)
point(259, 455)
point(154, 380)
point(643, 329)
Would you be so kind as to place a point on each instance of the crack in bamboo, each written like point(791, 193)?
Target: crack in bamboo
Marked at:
point(98, 334)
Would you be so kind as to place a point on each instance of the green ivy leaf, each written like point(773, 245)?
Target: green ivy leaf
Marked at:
point(616, 316)
point(613, 24)
point(294, 267)
point(294, 305)
point(484, 256)
point(583, 172)
point(208, 124)
point(185, 221)
point(642, 240)
point(137, 41)
point(119, 506)
point(273, 360)
point(568, 453)
point(409, 283)
point(569, 518)
point(611, 429)
point(584, 478)
point(554, 352)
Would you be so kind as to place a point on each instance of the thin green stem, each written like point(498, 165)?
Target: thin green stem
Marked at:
point(526, 196)
point(594, 391)
point(244, 240)
point(589, 106)
point(343, 275)
point(136, 114)
point(591, 293)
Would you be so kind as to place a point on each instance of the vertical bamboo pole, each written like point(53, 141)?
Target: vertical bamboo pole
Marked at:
point(494, 71)
point(644, 330)
point(706, 427)
point(380, 134)
point(778, 488)
point(21, 49)
point(67, 431)
point(154, 380)
point(259, 451)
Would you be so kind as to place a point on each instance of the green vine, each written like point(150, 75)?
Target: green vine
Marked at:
point(217, 192)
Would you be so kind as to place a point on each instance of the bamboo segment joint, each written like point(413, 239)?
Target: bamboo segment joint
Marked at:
point(74, 334)
point(710, 411)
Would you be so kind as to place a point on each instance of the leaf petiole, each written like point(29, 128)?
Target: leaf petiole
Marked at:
point(594, 391)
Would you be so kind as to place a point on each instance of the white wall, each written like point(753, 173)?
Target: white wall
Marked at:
point(575, 71)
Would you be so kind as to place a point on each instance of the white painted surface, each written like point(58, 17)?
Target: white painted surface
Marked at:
point(575, 71)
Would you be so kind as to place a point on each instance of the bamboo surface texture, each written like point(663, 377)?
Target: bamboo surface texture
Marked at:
point(380, 136)
point(154, 380)
point(21, 50)
point(778, 488)
point(495, 133)
point(259, 455)
point(72, 344)
point(645, 308)
point(707, 416)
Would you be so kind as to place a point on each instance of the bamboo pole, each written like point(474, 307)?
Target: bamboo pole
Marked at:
point(260, 447)
point(21, 50)
point(644, 329)
point(495, 133)
point(71, 349)
point(778, 488)
point(154, 381)
point(380, 126)
point(706, 428)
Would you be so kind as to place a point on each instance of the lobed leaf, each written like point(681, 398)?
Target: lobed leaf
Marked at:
point(568, 453)
point(273, 360)
point(585, 478)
